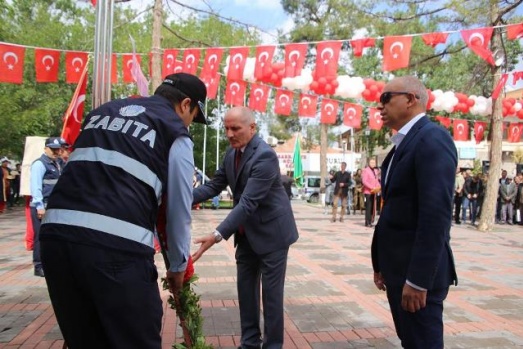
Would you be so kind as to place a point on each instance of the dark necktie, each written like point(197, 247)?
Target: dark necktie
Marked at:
point(237, 159)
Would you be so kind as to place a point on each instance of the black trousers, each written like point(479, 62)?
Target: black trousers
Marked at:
point(369, 209)
point(269, 270)
point(457, 208)
point(103, 298)
point(422, 329)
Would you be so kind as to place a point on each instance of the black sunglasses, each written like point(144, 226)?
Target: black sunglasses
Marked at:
point(387, 96)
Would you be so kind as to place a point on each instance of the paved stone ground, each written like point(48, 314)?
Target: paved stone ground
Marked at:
point(331, 301)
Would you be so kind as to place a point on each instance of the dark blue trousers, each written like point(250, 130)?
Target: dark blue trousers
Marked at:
point(103, 298)
point(422, 329)
point(36, 222)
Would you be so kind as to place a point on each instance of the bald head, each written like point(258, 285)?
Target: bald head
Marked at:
point(414, 85)
point(240, 126)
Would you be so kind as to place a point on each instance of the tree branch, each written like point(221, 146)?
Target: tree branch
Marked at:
point(441, 54)
point(197, 42)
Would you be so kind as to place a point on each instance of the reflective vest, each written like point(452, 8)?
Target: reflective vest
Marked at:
point(117, 173)
point(51, 175)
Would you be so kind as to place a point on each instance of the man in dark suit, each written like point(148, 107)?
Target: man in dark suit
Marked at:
point(411, 254)
point(262, 223)
point(342, 181)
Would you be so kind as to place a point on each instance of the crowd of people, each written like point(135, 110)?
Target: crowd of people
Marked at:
point(9, 184)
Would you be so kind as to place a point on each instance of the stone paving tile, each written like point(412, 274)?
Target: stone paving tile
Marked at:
point(330, 299)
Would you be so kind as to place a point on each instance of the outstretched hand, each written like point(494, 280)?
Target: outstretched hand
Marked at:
point(206, 243)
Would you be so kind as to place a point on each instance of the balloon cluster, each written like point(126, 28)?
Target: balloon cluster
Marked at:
point(372, 90)
point(323, 85)
point(464, 103)
point(512, 107)
point(272, 73)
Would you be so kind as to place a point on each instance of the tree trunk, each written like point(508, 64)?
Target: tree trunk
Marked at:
point(156, 73)
point(323, 154)
point(488, 211)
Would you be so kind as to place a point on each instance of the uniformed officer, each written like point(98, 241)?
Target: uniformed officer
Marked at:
point(44, 175)
point(97, 236)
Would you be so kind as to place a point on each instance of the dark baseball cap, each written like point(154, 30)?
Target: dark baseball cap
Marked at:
point(53, 142)
point(192, 87)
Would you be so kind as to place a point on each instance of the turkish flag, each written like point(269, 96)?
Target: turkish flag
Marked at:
point(211, 64)
point(329, 111)
point(258, 97)
point(307, 105)
point(515, 31)
point(114, 69)
point(359, 44)
point(93, 2)
point(478, 40)
point(444, 121)
point(127, 65)
point(12, 63)
point(212, 84)
point(514, 132)
point(516, 76)
point(237, 60)
point(235, 92)
point(461, 130)
point(375, 122)
point(501, 83)
point(479, 130)
point(264, 56)
point(169, 58)
point(191, 58)
point(352, 115)
point(327, 55)
point(75, 62)
point(283, 102)
point(74, 114)
point(294, 59)
point(46, 65)
point(396, 52)
point(433, 39)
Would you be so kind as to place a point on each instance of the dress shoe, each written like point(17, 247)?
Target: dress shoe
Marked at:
point(333, 220)
point(39, 272)
point(341, 220)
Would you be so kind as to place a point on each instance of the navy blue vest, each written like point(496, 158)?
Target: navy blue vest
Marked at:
point(52, 172)
point(116, 175)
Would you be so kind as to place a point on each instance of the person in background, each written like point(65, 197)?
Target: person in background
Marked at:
point(411, 254)
point(329, 191)
point(15, 185)
point(507, 194)
point(459, 182)
point(342, 181)
point(263, 226)
point(45, 172)
point(499, 202)
point(467, 196)
point(371, 185)
point(4, 183)
point(358, 201)
point(286, 181)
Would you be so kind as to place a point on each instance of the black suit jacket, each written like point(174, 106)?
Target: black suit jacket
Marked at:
point(411, 239)
point(261, 204)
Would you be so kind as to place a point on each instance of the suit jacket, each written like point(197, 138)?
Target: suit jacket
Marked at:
point(412, 238)
point(369, 180)
point(261, 204)
point(341, 177)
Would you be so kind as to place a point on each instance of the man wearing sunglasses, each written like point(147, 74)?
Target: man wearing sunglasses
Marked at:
point(411, 255)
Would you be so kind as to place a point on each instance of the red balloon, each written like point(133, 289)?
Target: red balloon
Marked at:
point(366, 95)
point(368, 82)
point(322, 81)
point(505, 111)
point(335, 83)
point(520, 114)
point(278, 65)
point(328, 89)
point(512, 111)
point(470, 102)
point(314, 85)
point(373, 89)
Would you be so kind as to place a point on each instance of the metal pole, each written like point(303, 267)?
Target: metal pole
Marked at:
point(103, 52)
point(218, 135)
point(204, 144)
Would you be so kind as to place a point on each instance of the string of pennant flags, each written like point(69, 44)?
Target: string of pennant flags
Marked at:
point(290, 75)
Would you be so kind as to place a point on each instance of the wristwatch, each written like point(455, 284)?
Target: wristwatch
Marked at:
point(217, 236)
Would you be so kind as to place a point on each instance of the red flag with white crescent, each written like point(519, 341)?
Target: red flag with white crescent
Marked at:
point(327, 56)
point(74, 114)
point(478, 41)
point(433, 39)
point(263, 62)
point(47, 63)
point(514, 132)
point(75, 63)
point(11, 63)
point(237, 61)
point(396, 52)
point(235, 93)
point(295, 59)
point(375, 122)
point(479, 131)
point(359, 44)
point(329, 111)
point(461, 130)
point(212, 84)
point(211, 64)
point(515, 31)
point(352, 115)
point(168, 61)
point(191, 59)
point(258, 97)
point(307, 105)
point(283, 102)
point(127, 66)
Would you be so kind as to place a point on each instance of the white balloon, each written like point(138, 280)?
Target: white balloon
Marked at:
point(248, 72)
point(517, 106)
